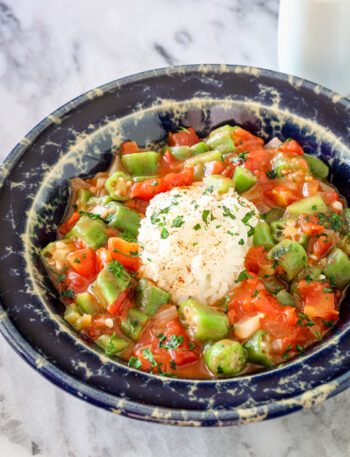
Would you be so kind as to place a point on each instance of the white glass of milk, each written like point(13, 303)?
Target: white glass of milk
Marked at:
point(314, 41)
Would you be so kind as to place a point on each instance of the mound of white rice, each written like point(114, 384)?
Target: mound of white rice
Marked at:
point(193, 241)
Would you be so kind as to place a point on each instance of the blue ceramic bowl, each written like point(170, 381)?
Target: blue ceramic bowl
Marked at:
point(77, 140)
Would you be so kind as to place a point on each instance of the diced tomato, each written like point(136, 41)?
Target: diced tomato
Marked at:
point(125, 252)
point(281, 196)
point(128, 147)
point(151, 187)
point(291, 147)
point(83, 261)
point(103, 256)
point(120, 304)
point(214, 168)
point(69, 224)
point(318, 299)
point(228, 171)
point(319, 246)
point(182, 355)
point(330, 196)
point(311, 187)
point(76, 282)
point(309, 225)
point(258, 159)
point(185, 137)
point(256, 260)
point(245, 141)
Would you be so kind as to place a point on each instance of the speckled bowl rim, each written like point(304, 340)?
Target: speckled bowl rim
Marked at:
point(135, 410)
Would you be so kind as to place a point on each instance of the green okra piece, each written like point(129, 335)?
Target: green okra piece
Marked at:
point(202, 322)
point(111, 344)
point(308, 205)
point(181, 152)
point(111, 282)
point(226, 358)
point(244, 179)
point(273, 285)
point(337, 269)
point(220, 183)
point(262, 235)
point(290, 255)
point(199, 148)
point(149, 297)
point(317, 167)
point(273, 215)
point(87, 303)
point(257, 349)
point(210, 156)
point(285, 298)
point(92, 231)
point(123, 218)
point(118, 186)
point(221, 139)
point(141, 163)
point(134, 323)
point(75, 318)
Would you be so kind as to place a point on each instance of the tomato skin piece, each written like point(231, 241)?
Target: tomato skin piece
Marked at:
point(318, 302)
point(309, 225)
point(256, 261)
point(330, 196)
point(103, 256)
point(246, 141)
point(129, 147)
point(186, 137)
point(258, 160)
point(214, 168)
point(281, 196)
point(68, 224)
point(83, 261)
point(181, 355)
point(125, 252)
point(76, 282)
point(319, 246)
point(291, 147)
point(185, 178)
point(118, 305)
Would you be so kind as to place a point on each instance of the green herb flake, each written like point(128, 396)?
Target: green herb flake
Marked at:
point(92, 216)
point(197, 227)
point(327, 290)
point(243, 276)
point(60, 278)
point(173, 342)
point(247, 217)
point(68, 293)
point(116, 268)
point(227, 213)
point(164, 233)
point(149, 356)
point(241, 242)
point(178, 221)
point(286, 354)
point(328, 324)
point(134, 362)
point(127, 236)
point(271, 174)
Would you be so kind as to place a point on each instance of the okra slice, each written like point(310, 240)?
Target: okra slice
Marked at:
point(83, 198)
point(134, 323)
point(141, 163)
point(87, 303)
point(150, 297)
point(221, 139)
point(290, 255)
point(123, 218)
point(226, 358)
point(338, 269)
point(92, 231)
point(317, 167)
point(210, 156)
point(273, 215)
point(257, 349)
point(220, 183)
point(111, 344)
point(202, 322)
point(118, 186)
point(199, 148)
point(285, 298)
point(54, 255)
point(181, 152)
point(76, 319)
point(112, 281)
point(244, 179)
point(308, 205)
point(262, 235)
point(273, 284)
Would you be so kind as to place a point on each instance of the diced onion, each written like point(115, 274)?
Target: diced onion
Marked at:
point(277, 345)
point(167, 314)
point(275, 143)
point(247, 326)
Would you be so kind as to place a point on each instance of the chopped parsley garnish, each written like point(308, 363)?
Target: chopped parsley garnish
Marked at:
point(173, 342)
point(205, 215)
point(327, 290)
point(255, 293)
point(172, 365)
point(197, 227)
point(286, 354)
point(299, 348)
point(164, 233)
point(178, 221)
point(154, 183)
point(243, 276)
point(77, 260)
point(271, 174)
point(149, 356)
point(208, 190)
point(227, 213)
point(134, 362)
point(247, 217)
point(127, 236)
point(241, 242)
point(184, 129)
point(60, 278)
point(314, 207)
point(92, 216)
point(304, 321)
point(132, 254)
point(318, 336)
point(116, 268)
point(328, 324)
point(251, 232)
point(68, 293)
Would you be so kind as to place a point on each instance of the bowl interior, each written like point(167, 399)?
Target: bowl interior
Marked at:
point(79, 140)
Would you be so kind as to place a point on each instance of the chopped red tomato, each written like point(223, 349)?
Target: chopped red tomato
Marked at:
point(319, 246)
point(69, 224)
point(281, 196)
point(330, 196)
point(310, 225)
point(76, 282)
point(291, 147)
point(121, 303)
point(128, 147)
point(151, 187)
point(214, 168)
point(318, 299)
point(125, 252)
point(183, 353)
point(103, 256)
point(258, 159)
point(245, 141)
point(256, 260)
point(311, 187)
point(83, 261)
point(185, 137)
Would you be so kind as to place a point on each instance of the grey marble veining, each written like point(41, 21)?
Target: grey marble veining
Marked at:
point(51, 52)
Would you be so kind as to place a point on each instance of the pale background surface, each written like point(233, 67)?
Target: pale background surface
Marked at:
point(52, 51)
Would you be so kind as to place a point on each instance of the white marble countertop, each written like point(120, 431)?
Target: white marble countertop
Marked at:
point(49, 53)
